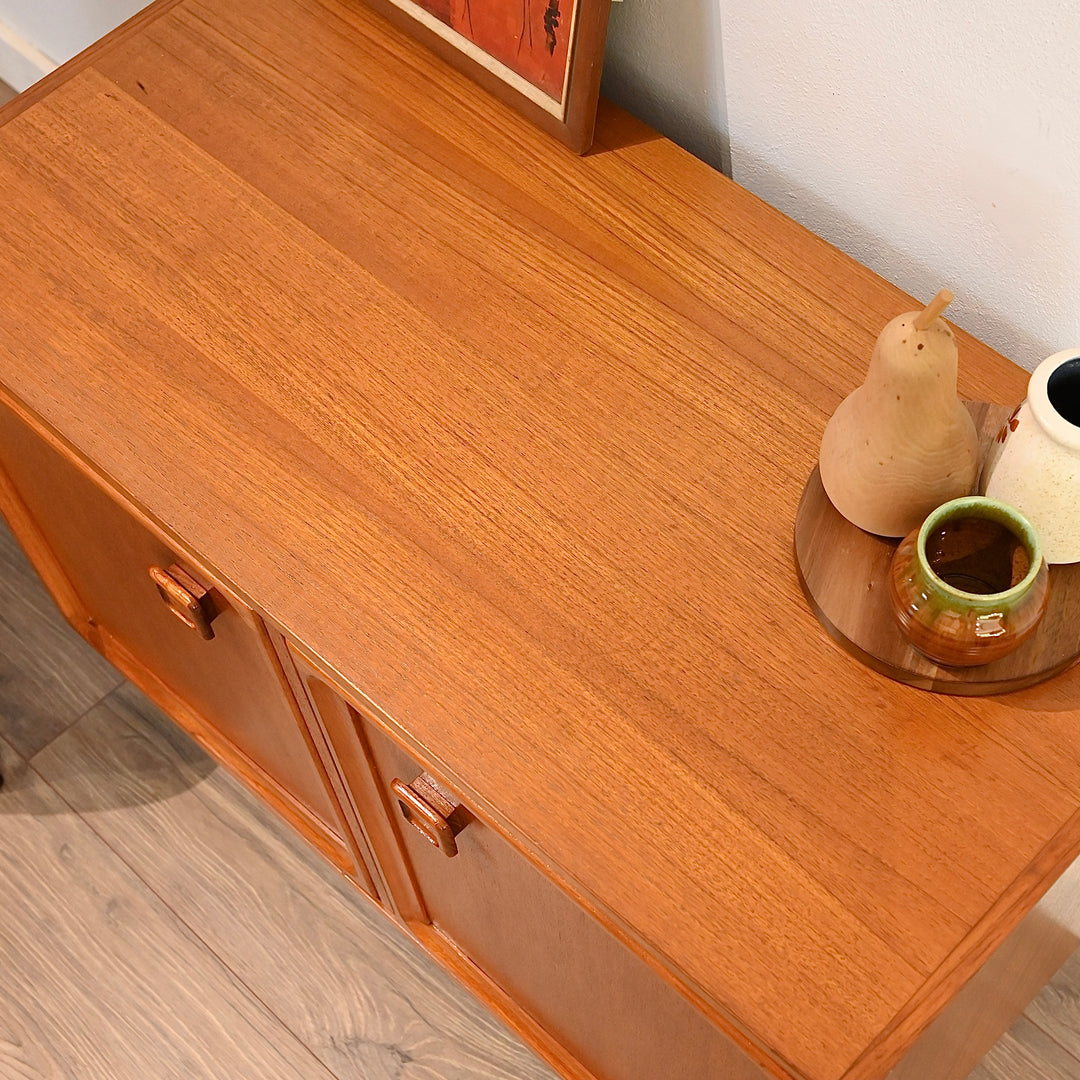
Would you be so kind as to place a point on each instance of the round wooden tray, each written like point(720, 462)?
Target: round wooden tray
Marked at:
point(844, 573)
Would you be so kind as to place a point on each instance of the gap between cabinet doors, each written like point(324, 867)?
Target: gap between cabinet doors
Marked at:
point(588, 1001)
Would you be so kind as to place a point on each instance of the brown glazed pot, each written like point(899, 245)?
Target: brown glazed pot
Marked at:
point(970, 584)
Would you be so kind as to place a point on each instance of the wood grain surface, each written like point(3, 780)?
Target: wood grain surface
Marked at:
point(977, 1016)
point(90, 957)
point(134, 776)
point(1057, 1009)
point(347, 984)
point(230, 694)
point(614, 1015)
point(844, 572)
point(1029, 1053)
point(514, 441)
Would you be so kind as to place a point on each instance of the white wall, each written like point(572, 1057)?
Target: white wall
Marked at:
point(36, 35)
point(664, 64)
point(938, 143)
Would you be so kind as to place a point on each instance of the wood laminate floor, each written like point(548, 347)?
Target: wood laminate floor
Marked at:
point(156, 922)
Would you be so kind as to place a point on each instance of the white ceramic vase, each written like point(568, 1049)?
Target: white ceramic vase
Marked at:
point(1034, 463)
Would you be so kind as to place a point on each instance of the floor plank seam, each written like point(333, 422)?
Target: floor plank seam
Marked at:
point(1066, 1052)
point(86, 712)
point(194, 935)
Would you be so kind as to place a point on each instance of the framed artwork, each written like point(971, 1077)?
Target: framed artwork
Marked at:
point(542, 56)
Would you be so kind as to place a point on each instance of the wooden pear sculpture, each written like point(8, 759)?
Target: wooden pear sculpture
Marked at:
point(902, 443)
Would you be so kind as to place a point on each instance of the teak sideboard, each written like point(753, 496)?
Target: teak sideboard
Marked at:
point(442, 483)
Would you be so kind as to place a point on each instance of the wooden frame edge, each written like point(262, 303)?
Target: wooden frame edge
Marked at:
point(582, 92)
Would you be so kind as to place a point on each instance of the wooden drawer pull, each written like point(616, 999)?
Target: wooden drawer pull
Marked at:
point(185, 598)
point(425, 805)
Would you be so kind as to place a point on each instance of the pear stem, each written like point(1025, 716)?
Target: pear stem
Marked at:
point(932, 310)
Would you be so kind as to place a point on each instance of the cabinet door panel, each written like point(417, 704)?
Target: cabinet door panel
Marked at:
point(232, 683)
point(600, 1001)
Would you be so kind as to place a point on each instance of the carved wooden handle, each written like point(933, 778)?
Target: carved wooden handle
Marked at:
point(429, 808)
point(185, 598)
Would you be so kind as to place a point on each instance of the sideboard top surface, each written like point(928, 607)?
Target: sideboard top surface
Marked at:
point(513, 440)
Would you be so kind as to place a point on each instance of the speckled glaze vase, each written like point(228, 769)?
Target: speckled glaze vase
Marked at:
point(970, 584)
point(1034, 463)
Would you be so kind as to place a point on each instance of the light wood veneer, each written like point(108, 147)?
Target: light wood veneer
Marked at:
point(508, 445)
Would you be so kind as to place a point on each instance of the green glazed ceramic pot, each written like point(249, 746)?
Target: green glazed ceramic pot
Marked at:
point(970, 584)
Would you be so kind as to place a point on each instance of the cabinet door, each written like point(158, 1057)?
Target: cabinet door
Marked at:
point(572, 978)
point(229, 691)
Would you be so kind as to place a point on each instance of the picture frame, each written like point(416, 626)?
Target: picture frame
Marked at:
point(543, 57)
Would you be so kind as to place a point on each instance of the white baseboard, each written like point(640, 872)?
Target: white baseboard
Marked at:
point(21, 63)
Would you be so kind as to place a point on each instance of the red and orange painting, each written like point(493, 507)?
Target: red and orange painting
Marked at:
point(529, 38)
